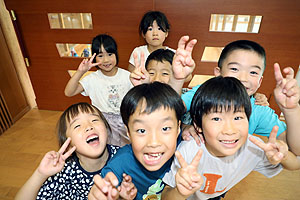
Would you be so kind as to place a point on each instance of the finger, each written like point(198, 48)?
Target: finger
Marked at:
point(291, 87)
point(273, 134)
point(92, 58)
point(197, 158)
point(277, 73)
point(190, 46)
point(289, 72)
point(136, 60)
point(56, 157)
point(258, 143)
point(195, 136)
point(111, 178)
point(182, 41)
point(64, 146)
point(180, 159)
point(142, 61)
point(100, 185)
point(68, 153)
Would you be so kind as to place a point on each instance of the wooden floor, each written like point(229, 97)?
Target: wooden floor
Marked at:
point(24, 144)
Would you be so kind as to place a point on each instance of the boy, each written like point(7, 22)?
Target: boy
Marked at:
point(220, 111)
point(246, 61)
point(151, 113)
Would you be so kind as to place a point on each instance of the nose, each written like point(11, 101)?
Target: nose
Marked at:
point(89, 127)
point(243, 76)
point(154, 32)
point(229, 127)
point(153, 140)
point(105, 58)
point(156, 78)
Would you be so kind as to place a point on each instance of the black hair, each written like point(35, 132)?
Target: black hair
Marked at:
point(156, 95)
point(70, 113)
point(108, 43)
point(219, 93)
point(242, 45)
point(160, 55)
point(152, 16)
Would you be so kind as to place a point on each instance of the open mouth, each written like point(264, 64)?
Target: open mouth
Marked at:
point(106, 65)
point(152, 158)
point(92, 139)
point(229, 143)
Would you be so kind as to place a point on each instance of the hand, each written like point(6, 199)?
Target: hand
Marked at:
point(287, 92)
point(183, 63)
point(53, 162)
point(139, 75)
point(104, 188)
point(189, 130)
point(86, 64)
point(188, 181)
point(261, 99)
point(127, 189)
point(276, 150)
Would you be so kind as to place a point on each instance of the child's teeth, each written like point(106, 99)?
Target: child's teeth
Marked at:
point(154, 156)
point(228, 142)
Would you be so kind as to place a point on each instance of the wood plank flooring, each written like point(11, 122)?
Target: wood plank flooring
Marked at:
point(24, 144)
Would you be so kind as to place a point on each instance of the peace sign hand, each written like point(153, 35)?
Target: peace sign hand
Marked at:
point(287, 91)
point(139, 75)
point(187, 178)
point(86, 64)
point(53, 162)
point(276, 150)
point(183, 63)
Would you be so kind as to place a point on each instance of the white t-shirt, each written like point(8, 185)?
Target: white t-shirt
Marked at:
point(146, 53)
point(107, 92)
point(222, 173)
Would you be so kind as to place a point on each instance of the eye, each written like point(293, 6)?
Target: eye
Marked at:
point(77, 126)
point(216, 119)
point(149, 28)
point(165, 74)
point(166, 128)
point(159, 28)
point(141, 131)
point(95, 120)
point(238, 118)
point(110, 54)
point(100, 55)
point(234, 69)
point(253, 73)
point(151, 73)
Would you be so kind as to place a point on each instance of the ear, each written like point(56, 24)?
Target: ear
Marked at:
point(127, 133)
point(217, 71)
point(260, 81)
point(179, 128)
point(143, 35)
point(167, 33)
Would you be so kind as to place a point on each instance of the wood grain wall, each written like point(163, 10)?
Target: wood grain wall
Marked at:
point(279, 34)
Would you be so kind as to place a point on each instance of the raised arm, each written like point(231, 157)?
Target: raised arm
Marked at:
point(139, 75)
point(287, 95)
point(188, 181)
point(277, 151)
point(73, 87)
point(183, 64)
point(52, 163)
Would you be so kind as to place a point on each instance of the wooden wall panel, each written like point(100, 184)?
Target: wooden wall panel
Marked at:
point(279, 34)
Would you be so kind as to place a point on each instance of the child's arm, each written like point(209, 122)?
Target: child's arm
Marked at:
point(261, 99)
point(277, 151)
point(52, 163)
point(287, 95)
point(139, 75)
point(188, 131)
point(188, 181)
point(183, 64)
point(73, 87)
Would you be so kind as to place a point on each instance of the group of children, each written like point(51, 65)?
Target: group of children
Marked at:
point(143, 109)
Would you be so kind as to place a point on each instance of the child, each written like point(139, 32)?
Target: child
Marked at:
point(246, 60)
point(158, 67)
point(68, 174)
point(152, 114)
point(154, 28)
point(220, 111)
point(106, 87)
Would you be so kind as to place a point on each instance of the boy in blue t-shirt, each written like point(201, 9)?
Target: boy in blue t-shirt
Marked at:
point(151, 113)
point(246, 61)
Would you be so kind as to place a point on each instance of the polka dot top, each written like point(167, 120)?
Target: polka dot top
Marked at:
point(73, 182)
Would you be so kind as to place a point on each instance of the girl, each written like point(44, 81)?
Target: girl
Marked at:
point(106, 87)
point(82, 135)
point(154, 27)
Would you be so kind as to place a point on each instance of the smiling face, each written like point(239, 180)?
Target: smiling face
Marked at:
point(160, 71)
point(225, 132)
point(88, 133)
point(107, 62)
point(247, 66)
point(155, 36)
point(153, 136)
